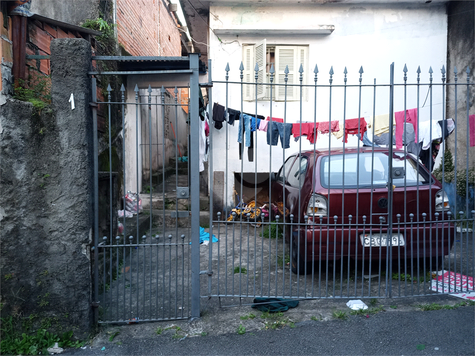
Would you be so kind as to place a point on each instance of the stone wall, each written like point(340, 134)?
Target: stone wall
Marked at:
point(46, 214)
point(73, 12)
point(461, 54)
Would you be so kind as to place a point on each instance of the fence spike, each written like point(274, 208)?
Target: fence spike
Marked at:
point(272, 70)
point(430, 70)
point(286, 72)
point(331, 70)
point(361, 71)
point(345, 71)
point(122, 88)
point(241, 67)
point(418, 71)
point(149, 89)
point(256, 68)
point(227, 67)
point(301, 68)
point(468, 70)
point(405, 68)
point(109, 87)
point(455, 70)
point(442, 70)
point(136, 89)
point(176, 91)
point(316, 69)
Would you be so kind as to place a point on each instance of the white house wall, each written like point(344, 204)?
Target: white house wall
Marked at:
point(368, 36)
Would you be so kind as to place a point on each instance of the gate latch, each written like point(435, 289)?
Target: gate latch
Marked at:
point(209, 273)
point(182, 193)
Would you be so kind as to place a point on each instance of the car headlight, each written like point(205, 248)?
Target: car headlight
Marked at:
point(318, 205)
point(441, 201)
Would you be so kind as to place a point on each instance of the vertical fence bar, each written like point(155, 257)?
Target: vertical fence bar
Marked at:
point(390, 182)
point(195, 188)
point(96, 199)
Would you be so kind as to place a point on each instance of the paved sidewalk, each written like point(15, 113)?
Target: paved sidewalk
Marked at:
point(390, 327)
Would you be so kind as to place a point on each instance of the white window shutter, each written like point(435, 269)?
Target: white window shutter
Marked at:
point(286, 56)
point(248, 60)
point(260, 54)
point(302, 60)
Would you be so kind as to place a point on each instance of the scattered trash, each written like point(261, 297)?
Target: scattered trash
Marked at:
point(83, 348)
point(103, 348)
point(274, 305)
point(183, 159)
point(357, 305)
point(456, 284)
point(55, 349)
point(204, 237)
point(370, 276)
point(120, 228)
point(464, 229)
point(133, 203)
point(133, 321)
point(128, 214)
point(421, 347)
point(436, 348)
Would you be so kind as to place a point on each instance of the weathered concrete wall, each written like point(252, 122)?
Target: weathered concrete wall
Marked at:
point(46, 202)
point(461, 54)
point(73, 12)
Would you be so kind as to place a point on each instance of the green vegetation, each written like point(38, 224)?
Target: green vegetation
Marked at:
point(339, 314)
point(241, 330)
point(276, 321)
point(37, 92)
point(240, 270)
point(435, 306)
point(245, 317)
point(15, 342)
point(272, 231)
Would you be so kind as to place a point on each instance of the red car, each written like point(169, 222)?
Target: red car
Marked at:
point(339, 207)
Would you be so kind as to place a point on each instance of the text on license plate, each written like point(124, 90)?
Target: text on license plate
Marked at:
point(376, 240)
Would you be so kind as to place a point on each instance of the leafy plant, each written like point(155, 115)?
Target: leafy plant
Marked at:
point(272, 231)
point(241, 330)
point(18, 342)
point(37, 92)
point(240, 270)
point(339, 314)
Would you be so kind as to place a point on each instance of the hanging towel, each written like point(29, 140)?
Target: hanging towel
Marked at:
point(380, 124)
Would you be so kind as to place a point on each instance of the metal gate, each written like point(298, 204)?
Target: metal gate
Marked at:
point(146, 186)
point(335, 214)
point(331, 215)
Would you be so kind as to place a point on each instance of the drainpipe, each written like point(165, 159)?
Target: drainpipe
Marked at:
point(19, 28)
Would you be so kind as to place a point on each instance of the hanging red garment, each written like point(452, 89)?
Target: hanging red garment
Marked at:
point(323, 126)
point(411, 118)
point(355, 126)
point(308, 129)
point(275, 119)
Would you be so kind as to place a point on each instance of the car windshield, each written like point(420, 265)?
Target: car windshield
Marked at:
point(365, 170)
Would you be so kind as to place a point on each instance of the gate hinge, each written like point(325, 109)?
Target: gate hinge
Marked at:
point(209, 273)
point(95, 304)
point(94, 105)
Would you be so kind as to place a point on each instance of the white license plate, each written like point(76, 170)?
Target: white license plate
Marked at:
point(376, 240)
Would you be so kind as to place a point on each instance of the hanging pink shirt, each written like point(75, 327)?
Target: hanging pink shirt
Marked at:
point(323, 126)
point(275, 119)
point(263, 125)
point(411, 118)
point(471, 120)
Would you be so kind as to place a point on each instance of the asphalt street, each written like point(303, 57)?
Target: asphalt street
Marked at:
point(402, 332)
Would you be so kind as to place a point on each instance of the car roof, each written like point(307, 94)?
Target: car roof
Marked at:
point(350, 150)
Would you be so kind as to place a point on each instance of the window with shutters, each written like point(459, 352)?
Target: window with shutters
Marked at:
point(280, 56)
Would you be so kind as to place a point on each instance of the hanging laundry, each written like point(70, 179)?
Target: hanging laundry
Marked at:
point(218, 116)
point(233, 115)
point(354, 127)
point(276, 130)
point(471, 120)
point(408, 116)
point(308, 129)
point(263, 125)
point(380, 124)
point(275, 119)
point(429, 131)
point(326, 127)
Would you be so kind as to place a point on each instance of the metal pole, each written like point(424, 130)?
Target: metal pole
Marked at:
point(194, 187)
point(390, 182)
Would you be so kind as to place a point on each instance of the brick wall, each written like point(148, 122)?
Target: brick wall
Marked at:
point(170, 42)
point(137, 26)
point(146, 28)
